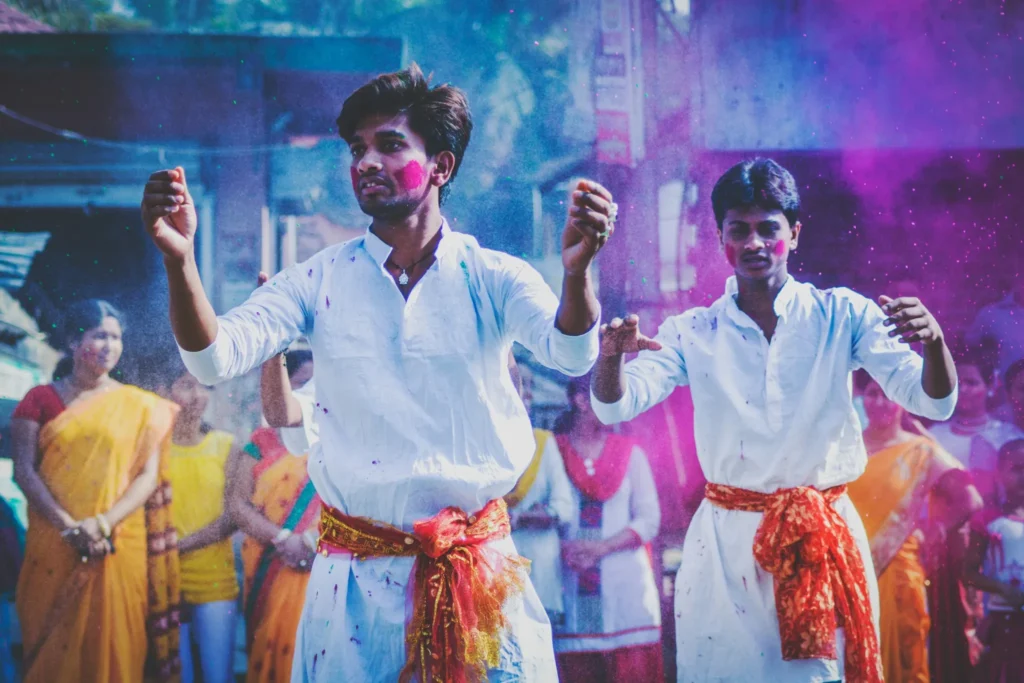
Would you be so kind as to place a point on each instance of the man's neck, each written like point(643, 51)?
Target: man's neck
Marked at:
point(758, 296)
point(408, 237)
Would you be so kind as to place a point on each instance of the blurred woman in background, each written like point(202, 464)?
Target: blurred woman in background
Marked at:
point(612, 629)
point(973, 436)
point(274, 502)
point(90, 454)
point(201, 463)
point(906, 470)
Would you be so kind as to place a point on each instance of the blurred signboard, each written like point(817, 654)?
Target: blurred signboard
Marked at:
point(618, 84)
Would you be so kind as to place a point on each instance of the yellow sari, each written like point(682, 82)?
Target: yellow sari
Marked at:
point(111, 620)
point(891, 497)
point(275, 594)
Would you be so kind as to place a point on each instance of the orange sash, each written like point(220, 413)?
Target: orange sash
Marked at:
point(820, 580)
point(459, 585)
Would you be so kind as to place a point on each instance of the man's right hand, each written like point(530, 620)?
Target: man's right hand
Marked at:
point(623, 336)
point(169, 214)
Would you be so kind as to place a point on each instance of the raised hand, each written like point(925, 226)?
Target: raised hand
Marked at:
point(169, 214)
point(910, 320)
point(589, 226)
point(623, 336)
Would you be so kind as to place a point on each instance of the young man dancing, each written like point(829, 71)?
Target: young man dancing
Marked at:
point(421, 429)
point(776, 559)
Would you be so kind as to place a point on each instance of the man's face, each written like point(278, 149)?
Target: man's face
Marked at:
point(391, 171)
point(757, 241)
point(973, 390)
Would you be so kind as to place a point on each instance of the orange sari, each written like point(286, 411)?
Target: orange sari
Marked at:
point(112, 620)
point(891, 497)
point(275, 594)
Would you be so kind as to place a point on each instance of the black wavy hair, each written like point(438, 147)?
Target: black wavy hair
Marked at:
point(439, 114)
point(756, 182)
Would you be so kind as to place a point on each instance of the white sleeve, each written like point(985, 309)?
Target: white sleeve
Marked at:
point(644, 510)
point(895, 366)
point(530, 309)
point(273, 317)
point(560, 490)
point(299, 440)
point(650, 379)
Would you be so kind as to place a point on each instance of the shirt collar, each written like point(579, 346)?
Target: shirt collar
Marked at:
point(380, 250)
point(782, 300)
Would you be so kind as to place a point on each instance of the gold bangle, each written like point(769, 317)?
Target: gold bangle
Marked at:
point(104, 525)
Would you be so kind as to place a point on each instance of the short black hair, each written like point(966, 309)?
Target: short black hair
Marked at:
point(86, 315)
point(1015, 370)
point(756, 182)
point(294, 360)
point(1014, 446)
point(440, 115)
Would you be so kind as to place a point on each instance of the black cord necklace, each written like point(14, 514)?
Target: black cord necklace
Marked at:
point(403, 277)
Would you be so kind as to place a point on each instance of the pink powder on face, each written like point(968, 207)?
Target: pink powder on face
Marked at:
point(410, 176)
point(355, 178)
point(730, 255)
point(779, 248)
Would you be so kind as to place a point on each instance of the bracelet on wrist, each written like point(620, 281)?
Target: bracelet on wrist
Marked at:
point(104, 525)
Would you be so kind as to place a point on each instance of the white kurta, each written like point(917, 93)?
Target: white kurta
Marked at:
point(767, 416)
point(416, 412)
point(629, 603)
point(543, 547)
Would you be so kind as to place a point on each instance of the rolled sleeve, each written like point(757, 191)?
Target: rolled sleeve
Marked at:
point(209, 366)
point(896, 367)
point(530, 310)
point(645, 512)
point(650, 379)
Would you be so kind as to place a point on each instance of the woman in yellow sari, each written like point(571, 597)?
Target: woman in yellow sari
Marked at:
point(905, 472)
point(98, 592)
point(273, 501)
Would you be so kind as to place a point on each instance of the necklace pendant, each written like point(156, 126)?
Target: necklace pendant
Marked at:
point(403, 278)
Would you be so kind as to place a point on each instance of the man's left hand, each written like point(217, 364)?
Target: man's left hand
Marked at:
point(589, 226)
point(910, 320)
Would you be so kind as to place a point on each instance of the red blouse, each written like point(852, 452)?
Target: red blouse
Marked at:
point(41, 404)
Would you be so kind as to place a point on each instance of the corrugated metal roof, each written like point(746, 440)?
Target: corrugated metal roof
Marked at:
point(14, 21)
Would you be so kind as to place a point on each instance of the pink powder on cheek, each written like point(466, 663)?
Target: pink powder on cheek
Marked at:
point(730, 255)
point(779, 248)
point(355, 178)
point(410, 176)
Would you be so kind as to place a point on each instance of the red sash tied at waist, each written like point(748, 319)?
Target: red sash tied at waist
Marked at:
point(459, 585)
point(820, 580)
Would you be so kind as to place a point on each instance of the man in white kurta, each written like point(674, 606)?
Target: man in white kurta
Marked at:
point(410, 328)
point(413, 416)
point(769, 416)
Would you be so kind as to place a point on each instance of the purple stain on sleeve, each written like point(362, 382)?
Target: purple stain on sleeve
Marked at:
point(309, 273)
point(327, 300)
point(335, 592)
point(745, 583)
point(375, 462)
point(352, 259)
point(315, 657)
point(355, 640)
